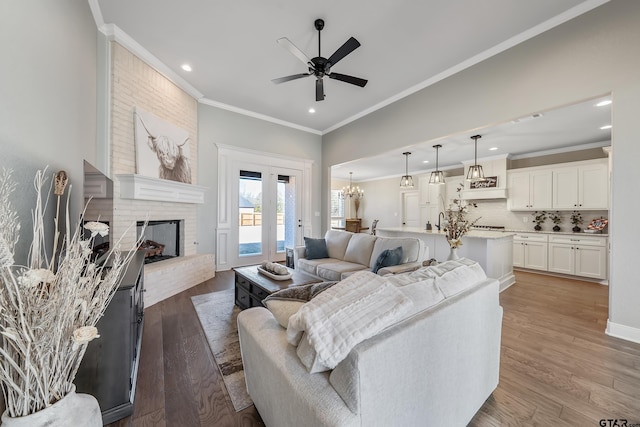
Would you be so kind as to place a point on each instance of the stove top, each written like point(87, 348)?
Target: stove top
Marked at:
point(488, 227)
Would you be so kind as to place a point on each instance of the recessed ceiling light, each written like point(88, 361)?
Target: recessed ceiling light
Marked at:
point(186, 67)
point(312, 110)
point(605, 127)
point(425, 161)
point(603, 103)
point(493, 148)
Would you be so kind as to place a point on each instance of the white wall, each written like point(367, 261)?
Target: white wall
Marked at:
point(47, 97)
point(218, 126)
point(591, 55)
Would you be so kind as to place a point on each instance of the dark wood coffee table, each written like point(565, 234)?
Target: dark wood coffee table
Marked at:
point(252, 287)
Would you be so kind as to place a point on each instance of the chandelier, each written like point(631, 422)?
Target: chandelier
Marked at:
point(351, 191)
point(407, 180)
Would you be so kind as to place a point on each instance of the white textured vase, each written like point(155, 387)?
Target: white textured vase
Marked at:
point(453, 254)
point(75, 409)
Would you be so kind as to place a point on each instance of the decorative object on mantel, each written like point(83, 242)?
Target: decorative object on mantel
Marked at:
point(597, 224)
point(48, 313)
point(353, 192)
point(576, 220)
point(162, 149)
point(539, 217)
point(475, 172)
point(488, 182)
point(457, 224)
point(437, 176)
point(407, 180)
point(556, 218)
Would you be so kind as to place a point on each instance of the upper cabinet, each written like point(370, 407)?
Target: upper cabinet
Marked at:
point(583, 185)
point(530, 190)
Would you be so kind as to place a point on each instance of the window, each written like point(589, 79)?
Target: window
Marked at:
point(337, 209)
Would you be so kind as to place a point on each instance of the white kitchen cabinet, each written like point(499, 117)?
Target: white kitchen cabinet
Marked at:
point(530, 251)
point(581, 187)
point(530, 190)
point(584, 256)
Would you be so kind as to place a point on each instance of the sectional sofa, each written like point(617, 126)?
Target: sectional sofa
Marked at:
point(434, 367)
point(350, 252)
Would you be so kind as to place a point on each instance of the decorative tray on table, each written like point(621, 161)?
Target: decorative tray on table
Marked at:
point(272, 275)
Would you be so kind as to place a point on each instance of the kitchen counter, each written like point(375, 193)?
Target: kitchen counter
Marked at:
point(473, 234)
point(580, 233)
point(492, 249)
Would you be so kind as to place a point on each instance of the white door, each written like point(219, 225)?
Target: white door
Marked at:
point(535, 255)
point(565, 188)
point(518, 254)
point(561, 258)
point(541, 189)
point(591, 261)
point(410, 209)
point(593, 187)
point(519, 191)
point(268, 213)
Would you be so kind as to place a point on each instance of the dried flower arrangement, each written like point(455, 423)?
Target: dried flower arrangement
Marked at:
point(48, 308)
point(457, 224)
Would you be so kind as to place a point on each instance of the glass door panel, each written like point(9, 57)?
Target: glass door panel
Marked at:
point(250, 214)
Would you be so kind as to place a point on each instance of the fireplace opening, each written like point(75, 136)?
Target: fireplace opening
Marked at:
point(161, 240)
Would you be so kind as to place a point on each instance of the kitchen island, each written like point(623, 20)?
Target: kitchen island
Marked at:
point(493, 250)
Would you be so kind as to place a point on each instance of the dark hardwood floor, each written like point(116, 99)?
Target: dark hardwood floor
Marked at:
point(557, 365)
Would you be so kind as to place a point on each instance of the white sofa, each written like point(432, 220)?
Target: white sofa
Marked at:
point(350, 252)
point(433, 368)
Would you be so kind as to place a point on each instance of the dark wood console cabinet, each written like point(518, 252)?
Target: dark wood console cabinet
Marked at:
point(110, 365)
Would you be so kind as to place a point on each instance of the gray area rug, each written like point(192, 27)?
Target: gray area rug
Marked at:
point(217, 313)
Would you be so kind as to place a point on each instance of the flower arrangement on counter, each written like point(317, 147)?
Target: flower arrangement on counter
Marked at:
point(556, 218)
point(457, 224)
point(49, 307)
point(539, 217)
point(576, 220)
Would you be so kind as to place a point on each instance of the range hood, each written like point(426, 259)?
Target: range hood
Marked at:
point(484, 194)
point(495, 166)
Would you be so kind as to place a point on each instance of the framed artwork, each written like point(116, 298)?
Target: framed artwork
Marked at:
point(489, 182)
point(162, 149)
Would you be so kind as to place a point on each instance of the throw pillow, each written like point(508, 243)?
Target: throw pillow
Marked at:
point(315, 248)
point(286, 302)
point(387, 258)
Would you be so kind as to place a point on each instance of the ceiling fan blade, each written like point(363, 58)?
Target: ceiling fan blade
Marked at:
point(344, 50)
point(319, 90)
point(289, 78)
point(286, 43)
point(349, 79)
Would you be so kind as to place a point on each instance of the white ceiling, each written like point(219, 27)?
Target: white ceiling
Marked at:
point(564, 129)
point(406, 45)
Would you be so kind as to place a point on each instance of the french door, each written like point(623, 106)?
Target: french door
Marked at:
point(269, 214)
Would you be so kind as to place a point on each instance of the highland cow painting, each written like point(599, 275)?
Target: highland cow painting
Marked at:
point(162, 149)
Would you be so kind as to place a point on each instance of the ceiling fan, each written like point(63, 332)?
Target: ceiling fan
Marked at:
point(320, 66)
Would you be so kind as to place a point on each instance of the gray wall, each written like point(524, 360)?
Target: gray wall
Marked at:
point(218, 126)
point(592, 55)
point(47, 97)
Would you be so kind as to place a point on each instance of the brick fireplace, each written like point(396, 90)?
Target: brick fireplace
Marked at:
point(136, 84)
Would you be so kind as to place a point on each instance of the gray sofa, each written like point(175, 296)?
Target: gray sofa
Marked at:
point(433, 368)
point(350, 252)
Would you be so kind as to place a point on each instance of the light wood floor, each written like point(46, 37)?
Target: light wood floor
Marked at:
point(557, 365)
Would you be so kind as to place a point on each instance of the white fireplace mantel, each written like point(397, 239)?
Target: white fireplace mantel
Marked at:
point(140, 187)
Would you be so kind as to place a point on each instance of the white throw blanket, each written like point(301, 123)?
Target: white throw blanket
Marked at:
point(346, 314)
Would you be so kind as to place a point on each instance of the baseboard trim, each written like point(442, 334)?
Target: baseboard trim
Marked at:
point(506, 281)
point(624, 332)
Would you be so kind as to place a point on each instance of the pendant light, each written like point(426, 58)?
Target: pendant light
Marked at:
point(475, 172)
point(406, 181)
point(437, 177)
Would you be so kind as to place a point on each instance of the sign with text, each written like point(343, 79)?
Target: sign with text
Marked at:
point(489, 182)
